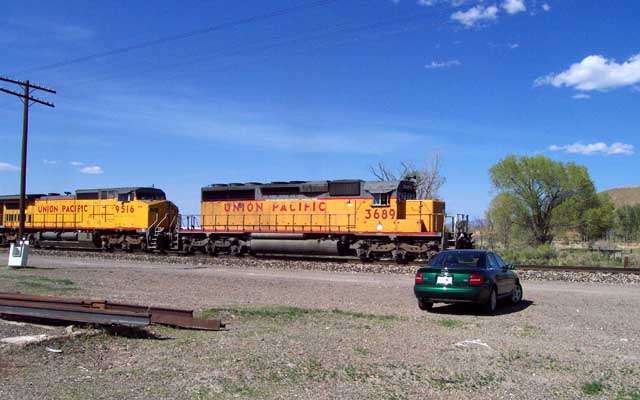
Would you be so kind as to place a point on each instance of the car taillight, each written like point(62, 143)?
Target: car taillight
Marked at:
point(419, 277)
point(476, 279)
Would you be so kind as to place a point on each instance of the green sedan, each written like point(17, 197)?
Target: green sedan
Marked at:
point(466, 276)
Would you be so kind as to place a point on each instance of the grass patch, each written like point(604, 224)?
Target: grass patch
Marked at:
point(450, 323)
point(527, 330)
point(592, 388)
point(514, 355)
point(361, 350)
point(291, 313)
point(40, 285)
point(633, 394)
point(549, 255)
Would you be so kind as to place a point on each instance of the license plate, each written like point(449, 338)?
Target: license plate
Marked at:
point(444, 280)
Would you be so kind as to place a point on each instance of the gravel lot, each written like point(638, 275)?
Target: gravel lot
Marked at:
point(302, 332)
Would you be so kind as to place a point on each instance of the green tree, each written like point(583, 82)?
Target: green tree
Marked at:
point(549, 196)
point(597, 220)
point(628, 222)
point(501, 217)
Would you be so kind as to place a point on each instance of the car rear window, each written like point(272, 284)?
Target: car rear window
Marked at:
point(469, 259)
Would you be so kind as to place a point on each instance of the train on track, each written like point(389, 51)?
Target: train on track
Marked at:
point(368, 219)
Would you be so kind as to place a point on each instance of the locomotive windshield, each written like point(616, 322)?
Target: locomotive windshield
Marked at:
point(150, 195)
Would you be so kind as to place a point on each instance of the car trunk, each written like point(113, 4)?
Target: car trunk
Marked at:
point(459, 276)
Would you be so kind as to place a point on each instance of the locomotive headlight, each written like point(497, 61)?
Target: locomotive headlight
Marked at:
point(379, 226)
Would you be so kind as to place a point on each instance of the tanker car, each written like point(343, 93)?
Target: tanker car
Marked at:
point(123, 218)
point(341, 217)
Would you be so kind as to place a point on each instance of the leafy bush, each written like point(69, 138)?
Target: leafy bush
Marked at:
point(547, 255)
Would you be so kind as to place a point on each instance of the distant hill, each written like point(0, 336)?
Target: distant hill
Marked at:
point(625, 195)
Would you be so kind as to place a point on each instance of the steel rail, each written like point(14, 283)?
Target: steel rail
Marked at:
point(101, 312)
point(71, 313)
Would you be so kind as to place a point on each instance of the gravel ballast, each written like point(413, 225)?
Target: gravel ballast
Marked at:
point(331, 266)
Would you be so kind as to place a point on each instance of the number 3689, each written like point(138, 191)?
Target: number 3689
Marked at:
point(380, 214)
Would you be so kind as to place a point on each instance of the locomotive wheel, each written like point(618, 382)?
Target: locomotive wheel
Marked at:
point(187, 249)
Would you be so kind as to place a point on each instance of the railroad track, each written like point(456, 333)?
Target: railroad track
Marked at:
point(351, 260)
point(563, 268)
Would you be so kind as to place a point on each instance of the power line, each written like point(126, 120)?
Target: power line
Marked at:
point(180, 36)
point(280, 42)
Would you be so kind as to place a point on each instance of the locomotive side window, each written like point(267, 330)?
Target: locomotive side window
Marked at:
point(381, 199)
point(148, 195)
point(124, 197)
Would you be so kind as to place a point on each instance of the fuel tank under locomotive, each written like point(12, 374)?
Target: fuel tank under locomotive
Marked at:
point(262, 243)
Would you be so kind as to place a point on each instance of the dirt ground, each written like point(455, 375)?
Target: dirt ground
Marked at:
point(323, 335)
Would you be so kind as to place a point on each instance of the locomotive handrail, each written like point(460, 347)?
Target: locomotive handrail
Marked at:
point(154, 223)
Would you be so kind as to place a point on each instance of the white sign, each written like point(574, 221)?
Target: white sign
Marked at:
point(18, 254)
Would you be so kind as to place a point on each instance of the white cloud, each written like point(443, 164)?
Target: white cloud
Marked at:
point(514, 6)
point(49, 162)
point(429, 3)
point(76, 163)
point(92, 170)
point(8, 167)
point(581, 96)
point(595, 148)
point(596, 73)
point(546, 7)
point(475, 14)
point(443, 64)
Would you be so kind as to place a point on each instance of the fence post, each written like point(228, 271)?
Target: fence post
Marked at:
point(626, 262)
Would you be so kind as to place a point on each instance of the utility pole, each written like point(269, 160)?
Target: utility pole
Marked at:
point(26, 98)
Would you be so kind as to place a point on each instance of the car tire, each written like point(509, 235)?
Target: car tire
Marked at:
point(492, 302)
point(516, 295)
point(424, 305)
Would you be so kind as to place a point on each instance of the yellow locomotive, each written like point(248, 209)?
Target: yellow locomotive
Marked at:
point(340, 217)
point(124, 218)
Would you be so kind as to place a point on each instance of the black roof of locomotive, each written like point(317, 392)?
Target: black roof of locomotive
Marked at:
point(302, 189)
point(119, 190)
point(16, 197)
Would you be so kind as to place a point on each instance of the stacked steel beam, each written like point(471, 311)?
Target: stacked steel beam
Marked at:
point(100, 312)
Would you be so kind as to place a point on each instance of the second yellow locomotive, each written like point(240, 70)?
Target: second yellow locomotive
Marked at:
point(340, 217)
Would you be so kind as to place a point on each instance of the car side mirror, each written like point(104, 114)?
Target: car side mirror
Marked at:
point(511, 267)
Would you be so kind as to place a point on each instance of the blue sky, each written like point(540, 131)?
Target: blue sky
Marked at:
point(296, 90)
